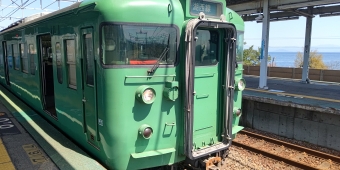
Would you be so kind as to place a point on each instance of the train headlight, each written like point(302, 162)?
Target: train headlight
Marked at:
point(240, 84)
point(148, 95)
point(146, 131)
point(145, 94)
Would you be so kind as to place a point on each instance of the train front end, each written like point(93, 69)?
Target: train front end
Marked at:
point(166, 74)
point(211, 109)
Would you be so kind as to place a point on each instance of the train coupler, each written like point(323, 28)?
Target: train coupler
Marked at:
point(210, 163)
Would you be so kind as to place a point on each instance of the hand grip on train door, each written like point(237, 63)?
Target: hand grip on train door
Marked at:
point(170, 124)
point(84, 100)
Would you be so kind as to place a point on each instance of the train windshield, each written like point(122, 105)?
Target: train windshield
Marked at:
point(138, 44)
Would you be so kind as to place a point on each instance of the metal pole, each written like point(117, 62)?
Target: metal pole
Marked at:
point(22, 10)
point(264, 45)
point(305, 70)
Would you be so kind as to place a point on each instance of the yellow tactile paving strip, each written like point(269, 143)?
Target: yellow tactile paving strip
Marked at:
point(5, 160)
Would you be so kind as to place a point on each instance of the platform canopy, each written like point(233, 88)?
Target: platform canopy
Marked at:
point(284, 9)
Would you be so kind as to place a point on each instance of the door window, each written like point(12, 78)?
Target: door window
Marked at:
point(24, 59)
point(1, 55)
point(16, 58)
point(32, 52)
point(59, 62)
point(88, 53)
point(9, 55)
point(206, 50)
point(71, 63)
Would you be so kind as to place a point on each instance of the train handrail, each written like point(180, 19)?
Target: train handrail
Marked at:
point(173, 75)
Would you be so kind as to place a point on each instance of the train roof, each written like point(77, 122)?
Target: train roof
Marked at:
point(39, 17)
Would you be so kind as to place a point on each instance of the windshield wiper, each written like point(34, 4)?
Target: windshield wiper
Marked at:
point(153, 69)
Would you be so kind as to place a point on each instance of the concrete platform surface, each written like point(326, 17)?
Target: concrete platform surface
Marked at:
point(29, 142)
point(316, 96)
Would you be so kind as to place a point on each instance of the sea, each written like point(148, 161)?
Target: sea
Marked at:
point(286, 59)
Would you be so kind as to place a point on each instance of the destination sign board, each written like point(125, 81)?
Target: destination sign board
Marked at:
point(209, 8)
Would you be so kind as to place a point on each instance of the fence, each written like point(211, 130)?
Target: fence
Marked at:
point(295, 73)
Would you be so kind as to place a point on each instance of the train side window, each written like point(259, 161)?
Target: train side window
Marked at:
point(71, 63)
point(16, 57)
point(31, 53)
point(59, 62)
point(24, 59)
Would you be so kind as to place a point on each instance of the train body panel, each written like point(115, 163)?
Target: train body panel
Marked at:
point(113, 75)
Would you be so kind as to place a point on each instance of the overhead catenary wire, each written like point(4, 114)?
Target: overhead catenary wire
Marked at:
point(13, 11)
point(24, 5)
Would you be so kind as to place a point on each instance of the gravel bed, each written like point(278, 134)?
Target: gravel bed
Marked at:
point(300, 143)
point(240, 158)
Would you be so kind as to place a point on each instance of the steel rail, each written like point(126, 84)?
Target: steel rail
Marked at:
point(286, 145)
point(293, 146)
point(270, 155)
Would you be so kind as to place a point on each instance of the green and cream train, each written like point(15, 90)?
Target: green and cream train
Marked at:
point(137, 83)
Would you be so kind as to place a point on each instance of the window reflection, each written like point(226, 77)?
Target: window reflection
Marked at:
point(142, 45)
point(239, 46)
point(206, 51)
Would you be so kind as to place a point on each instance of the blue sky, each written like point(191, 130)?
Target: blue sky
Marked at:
point(289, 35)
point(7, 7)
point(284, 35)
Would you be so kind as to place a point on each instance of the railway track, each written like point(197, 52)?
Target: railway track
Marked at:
point(292, 154)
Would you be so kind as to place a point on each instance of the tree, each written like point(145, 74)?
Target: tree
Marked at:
point(315, 60)
point(251, 57)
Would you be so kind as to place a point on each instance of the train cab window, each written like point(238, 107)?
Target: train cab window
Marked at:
point(16, 57)
point(239, 46)
point(24, 59)
point(71, 63)
point(59, 62)
point(10, 55)
point(32, 52)
point(206, 50)
point(138, 45)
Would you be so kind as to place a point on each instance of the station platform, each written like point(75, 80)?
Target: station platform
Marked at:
point(292, 109)
point(316, 96)
point(29, 142)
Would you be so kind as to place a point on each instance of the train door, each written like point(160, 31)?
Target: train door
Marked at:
point(89, 87)
point(6, 56)
point(209, 98)
point(47, 84)
point(206, 87)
